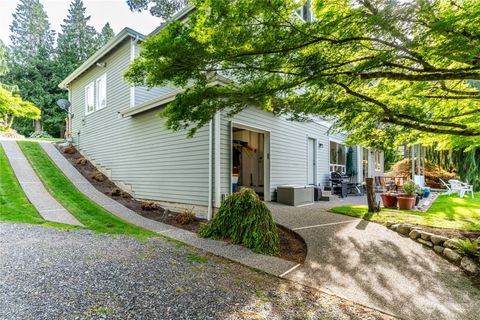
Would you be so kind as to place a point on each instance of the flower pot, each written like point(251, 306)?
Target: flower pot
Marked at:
point(389, 200)
point(426, 192)
point(406, 202)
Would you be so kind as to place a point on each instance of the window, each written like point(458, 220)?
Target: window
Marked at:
point(101, 92)
point(90, 98)
point(338, 159)
point(305, 12)
point(378, 161)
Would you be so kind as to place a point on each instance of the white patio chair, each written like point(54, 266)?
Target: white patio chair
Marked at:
point(460, 187)
point(448, 186)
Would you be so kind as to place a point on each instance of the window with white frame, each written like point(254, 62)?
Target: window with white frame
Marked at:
point(90, 98)
point(378, 161)
point(305, 12)
point(101, 92)
point(338, 159)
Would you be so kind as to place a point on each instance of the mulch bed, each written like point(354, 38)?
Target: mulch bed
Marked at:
point(452, 233)
point(292, 246)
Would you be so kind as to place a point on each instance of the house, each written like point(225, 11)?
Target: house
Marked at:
point(116, 126)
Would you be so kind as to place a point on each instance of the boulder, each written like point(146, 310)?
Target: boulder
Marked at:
point(414, 234)
point(452, 255)
point(470, 266)
point(426, 235)
point(438, 240)
point(394, 227)
point(389, 223)
point(425, 242)
point(81, 161)
point(404, 229)
point(438, 249)
point(450, 244)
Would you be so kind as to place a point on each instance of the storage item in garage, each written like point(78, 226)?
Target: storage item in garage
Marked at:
point(295, 195)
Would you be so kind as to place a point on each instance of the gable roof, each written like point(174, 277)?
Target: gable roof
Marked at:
point(122, 35)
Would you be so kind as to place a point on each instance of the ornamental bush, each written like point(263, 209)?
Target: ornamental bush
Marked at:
point(244, 219)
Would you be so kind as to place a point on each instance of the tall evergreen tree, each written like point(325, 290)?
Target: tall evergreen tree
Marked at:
point(106, 34)
point(31, 65)
point(77, 40)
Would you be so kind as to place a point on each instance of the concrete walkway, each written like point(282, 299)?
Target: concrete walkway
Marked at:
point(46, 205)
point(372, 265)
point(236, 253)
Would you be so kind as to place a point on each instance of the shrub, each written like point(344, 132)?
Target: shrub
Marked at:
point(185, 217)
point(40, 135)
point(69, 149)
point(471, 248)
point(244, 219)
point(149, 206)
point(409, 188)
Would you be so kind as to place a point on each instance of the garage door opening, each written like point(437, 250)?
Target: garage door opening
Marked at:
point(249, 160)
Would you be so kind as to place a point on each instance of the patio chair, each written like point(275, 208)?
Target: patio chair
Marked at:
point(460, 187)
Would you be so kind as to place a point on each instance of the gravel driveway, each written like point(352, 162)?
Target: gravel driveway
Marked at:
point(47, 273)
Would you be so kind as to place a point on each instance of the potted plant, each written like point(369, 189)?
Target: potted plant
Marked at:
point(389, 200)
point(406, 201)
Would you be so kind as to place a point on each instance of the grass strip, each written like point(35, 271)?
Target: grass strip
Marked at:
point(92, 215)
point(449, 212)
point(14, 204)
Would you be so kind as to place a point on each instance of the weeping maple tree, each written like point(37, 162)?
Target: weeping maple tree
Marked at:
point(385, 71)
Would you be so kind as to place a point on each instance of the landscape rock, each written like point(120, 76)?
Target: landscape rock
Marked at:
point(149, 206)
point(438, 240)
point(414, 234)
point(404, 229)
point(425, 242)
point(438, 249)
point(426, 235)
point(97, 175)
point(452, 255)
point(470, 266)
point(450, 244)
point(115, 192)
point(390, 223)
point(394, 226)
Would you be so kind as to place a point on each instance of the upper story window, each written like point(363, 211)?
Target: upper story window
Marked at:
point(96, 94)
point(90, 98)
point(305, 12)
point(101, 92)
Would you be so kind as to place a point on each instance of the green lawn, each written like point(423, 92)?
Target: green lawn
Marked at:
point(14, 204)
point(93, 216)
point(47, 139)
point(446, 212)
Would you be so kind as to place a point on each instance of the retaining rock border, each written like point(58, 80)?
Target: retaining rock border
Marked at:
point(443, 246)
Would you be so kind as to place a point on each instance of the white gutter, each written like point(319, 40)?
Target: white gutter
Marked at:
point(217, 160)
point(210, 142)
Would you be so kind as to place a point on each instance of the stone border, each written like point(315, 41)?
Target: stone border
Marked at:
point(443, 246)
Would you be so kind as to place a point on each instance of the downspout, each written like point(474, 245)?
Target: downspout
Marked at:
point(210, 142)
point(217, 160)
point(413, 162)
point(133, 53)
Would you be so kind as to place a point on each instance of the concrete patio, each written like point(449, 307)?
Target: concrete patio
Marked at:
point(369, 264)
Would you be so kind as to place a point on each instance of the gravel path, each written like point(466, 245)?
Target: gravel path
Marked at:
point(47, 273)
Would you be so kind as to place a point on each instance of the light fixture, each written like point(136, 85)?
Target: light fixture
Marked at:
point(101, 64)
point(320, 145)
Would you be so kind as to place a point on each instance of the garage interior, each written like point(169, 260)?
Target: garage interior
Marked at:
point(248, 160)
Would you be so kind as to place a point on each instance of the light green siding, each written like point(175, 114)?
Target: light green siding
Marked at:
point(158, 164)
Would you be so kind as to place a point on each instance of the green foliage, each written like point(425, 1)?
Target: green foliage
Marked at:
point(159, 8)
point(244, 219)
point(471, 248)
point(409, 188)
point(385, 71)
point(40, 135)
point(12, 107)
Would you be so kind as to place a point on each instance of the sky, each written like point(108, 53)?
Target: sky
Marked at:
point(101, 11)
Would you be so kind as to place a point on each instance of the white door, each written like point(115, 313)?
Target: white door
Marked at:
point(311, 170)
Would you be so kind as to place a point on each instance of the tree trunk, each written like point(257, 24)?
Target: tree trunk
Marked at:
point(9, 125)
point(373, 206)
point(38, 125)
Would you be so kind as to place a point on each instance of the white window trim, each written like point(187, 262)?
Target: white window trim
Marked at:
point(103, 78)
point(87, 87)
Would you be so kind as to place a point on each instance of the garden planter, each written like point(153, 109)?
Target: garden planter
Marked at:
point(406, 202)
point(426, 192)
point(389, 200)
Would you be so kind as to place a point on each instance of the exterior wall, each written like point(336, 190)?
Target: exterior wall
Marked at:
point(155, 163)
point(287, 151)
